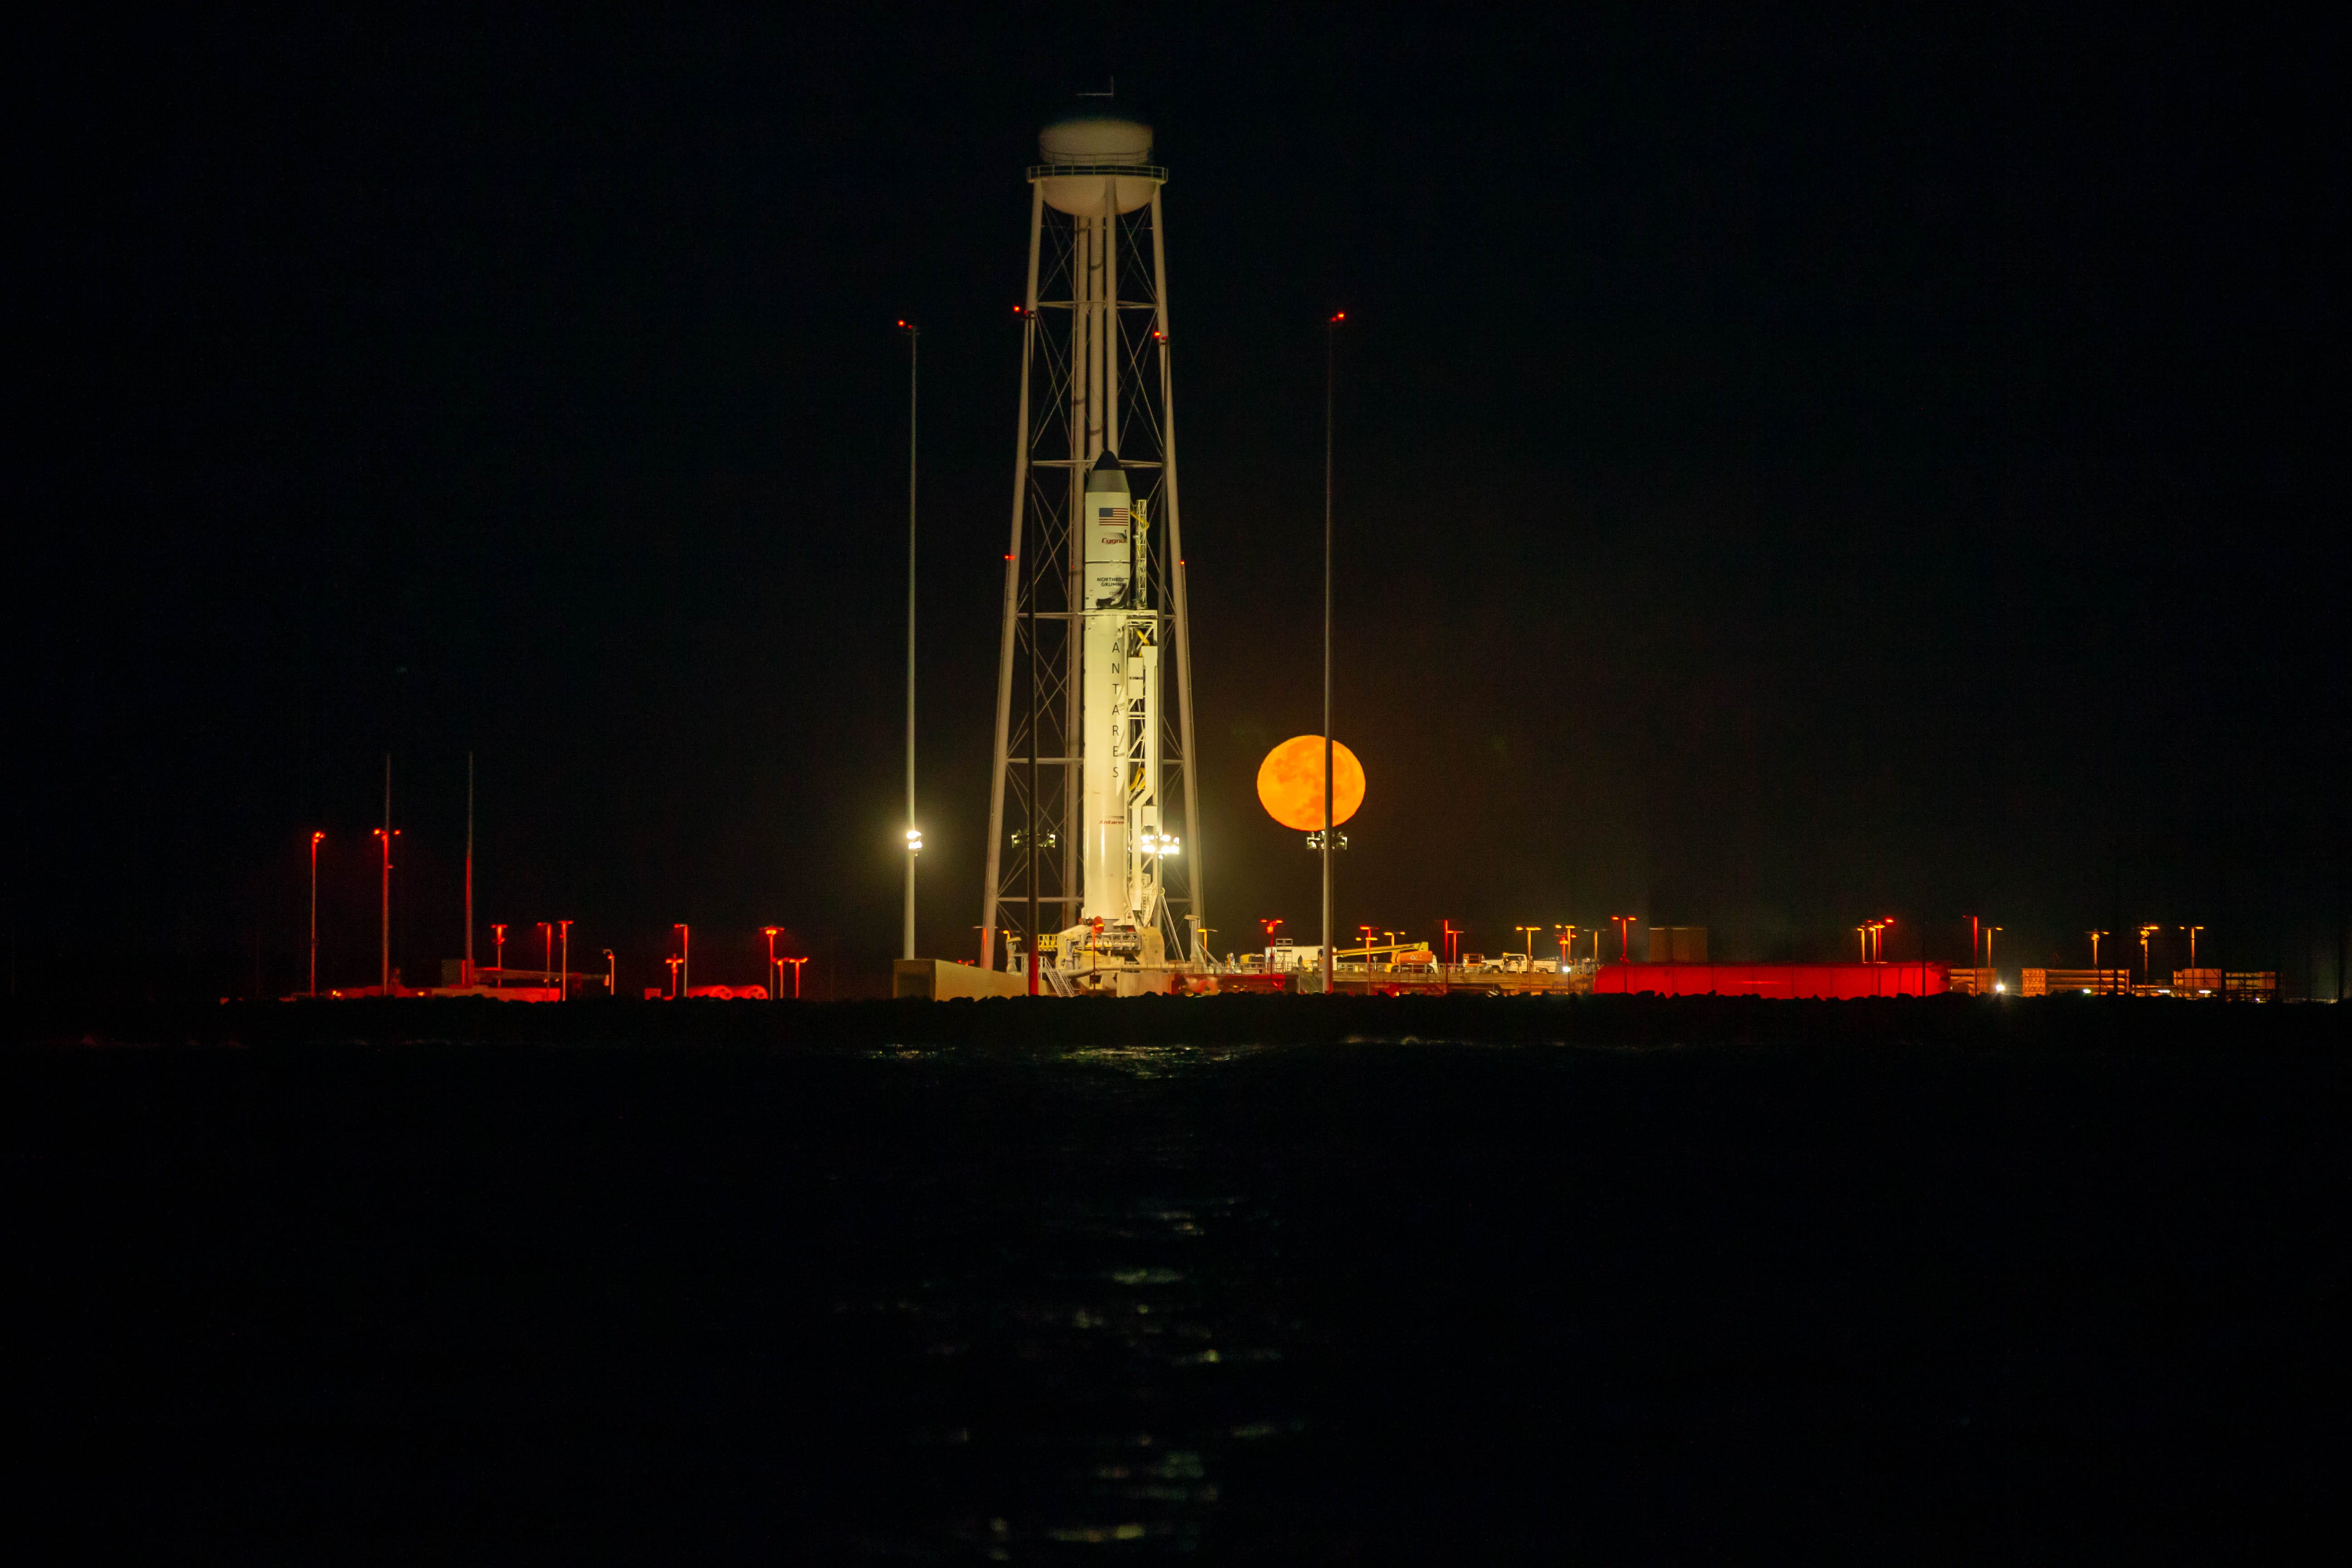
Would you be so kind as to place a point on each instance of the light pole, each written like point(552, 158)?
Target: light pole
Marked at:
point(796, 964)
point(1566, 939)
point(2146, 977)
point(498, 950)
point(314, 912)
point(673, 960)
point(914, 835)
point(465, 975)
point(546, 950)
point(1330, 408)
point(612, 975)
point(1452, 934)
point(1625, 924)
point(2193, 932)
point(685, 960)
point(1991, 931)
point(385, 833)
point(774, 974)
point(563, 976)
point(384, 838)
point(1530, 933)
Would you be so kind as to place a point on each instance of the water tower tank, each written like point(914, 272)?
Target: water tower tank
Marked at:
point(1100, 145)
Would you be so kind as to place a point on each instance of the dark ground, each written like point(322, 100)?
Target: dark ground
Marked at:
point(1907, 1282)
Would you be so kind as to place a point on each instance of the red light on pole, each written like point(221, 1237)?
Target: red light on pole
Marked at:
point(498, 951)
point(796, 964)
point(563, 976)
point(1451, 934)
point(685, 959)
point(672, 962)
point(611, 974)
point(546, 950)
point(776, 975)
point(1625, 924)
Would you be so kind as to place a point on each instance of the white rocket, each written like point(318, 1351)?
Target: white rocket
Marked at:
point(1119, 879)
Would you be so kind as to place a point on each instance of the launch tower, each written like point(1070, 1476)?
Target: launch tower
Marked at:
point(1094, 826)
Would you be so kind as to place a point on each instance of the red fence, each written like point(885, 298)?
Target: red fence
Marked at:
point(1834, 980)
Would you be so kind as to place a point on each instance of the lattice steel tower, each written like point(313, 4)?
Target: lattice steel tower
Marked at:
point(1094, 690)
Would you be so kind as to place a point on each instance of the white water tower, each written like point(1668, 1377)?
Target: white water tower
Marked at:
point(1092, 809)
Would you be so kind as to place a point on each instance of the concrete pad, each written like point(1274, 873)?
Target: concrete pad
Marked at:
point(943, 980)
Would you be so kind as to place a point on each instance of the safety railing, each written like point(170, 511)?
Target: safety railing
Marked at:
point(1129, 171)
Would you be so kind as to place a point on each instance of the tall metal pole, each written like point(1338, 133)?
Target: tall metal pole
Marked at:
point(1331, 382)
point(914, 353)
point(468, 978)
point(1193, 875)
point(1029, 832)
point(384, 977)
point(315, 837)
point(1073, 831)
point(1017, 571)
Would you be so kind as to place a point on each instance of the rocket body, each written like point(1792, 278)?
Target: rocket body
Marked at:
point(1119, 706)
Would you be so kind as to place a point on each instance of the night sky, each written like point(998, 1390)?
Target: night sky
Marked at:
point(1789, 474)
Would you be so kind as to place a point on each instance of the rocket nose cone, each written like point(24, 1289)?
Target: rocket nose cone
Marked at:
point(1107, 476)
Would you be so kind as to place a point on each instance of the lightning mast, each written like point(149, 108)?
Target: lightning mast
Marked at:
point(1093, 764)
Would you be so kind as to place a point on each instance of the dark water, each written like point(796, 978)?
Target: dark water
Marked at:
point(1287, 1303)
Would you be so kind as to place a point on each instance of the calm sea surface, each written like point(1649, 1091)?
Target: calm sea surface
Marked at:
point(1299, 1303)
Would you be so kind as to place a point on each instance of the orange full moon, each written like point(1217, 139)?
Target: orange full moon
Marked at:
point(1290, 784)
